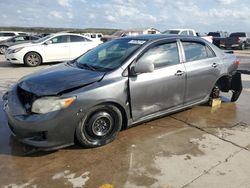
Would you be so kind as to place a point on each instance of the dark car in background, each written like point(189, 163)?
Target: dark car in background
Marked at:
point(239, 40)
point(118, 84)
point(217, 37)
point(16, 40)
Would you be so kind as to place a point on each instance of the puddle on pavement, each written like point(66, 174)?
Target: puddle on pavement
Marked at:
point(150, 155)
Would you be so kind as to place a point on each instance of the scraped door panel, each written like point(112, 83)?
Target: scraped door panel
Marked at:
point(161, 89)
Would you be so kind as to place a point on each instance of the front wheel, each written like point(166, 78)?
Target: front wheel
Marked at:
point(32, 59)
point(100, 126)
point(3, 49)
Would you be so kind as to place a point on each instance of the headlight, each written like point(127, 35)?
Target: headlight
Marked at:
point(50, 104)
point(16, 50)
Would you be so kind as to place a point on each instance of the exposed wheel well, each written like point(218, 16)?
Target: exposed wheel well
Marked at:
point(224, 83)
point(33, 52)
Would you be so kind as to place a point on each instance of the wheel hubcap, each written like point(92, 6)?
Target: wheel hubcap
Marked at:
point(33, 59)
point(102, 125)
point(2, 49)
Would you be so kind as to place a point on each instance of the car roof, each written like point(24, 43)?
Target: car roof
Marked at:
point(152, 37)
point(12, 32)
point(58, 34)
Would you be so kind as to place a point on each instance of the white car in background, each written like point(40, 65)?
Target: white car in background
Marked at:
point(53, 48)
point(187, 32)
point(4, 35)
point(94, 36)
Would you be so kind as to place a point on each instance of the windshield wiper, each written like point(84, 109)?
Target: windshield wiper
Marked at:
point(90, 67)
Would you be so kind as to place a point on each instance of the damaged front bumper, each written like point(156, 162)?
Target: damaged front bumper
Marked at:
point(45, 131)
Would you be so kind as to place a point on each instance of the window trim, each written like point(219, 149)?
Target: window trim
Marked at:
point(207, 47)
point(85, 39)
point(60, 42)
point(161, 42)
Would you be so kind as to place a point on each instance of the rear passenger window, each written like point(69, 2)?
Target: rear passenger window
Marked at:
point(162, 55)
point(196, 51)
point(184, 33)
point(210, 52)
point(7, 34)
point(191, 33)
point(75, 38)
point(19, 39)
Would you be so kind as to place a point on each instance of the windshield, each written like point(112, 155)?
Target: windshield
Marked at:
point(43, 39)
point(110, 55)
point(171, 32)
point(118, 33)
point(213, 34)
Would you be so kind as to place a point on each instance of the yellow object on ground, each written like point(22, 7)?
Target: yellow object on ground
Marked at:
point(106, 186)
point(215, 102)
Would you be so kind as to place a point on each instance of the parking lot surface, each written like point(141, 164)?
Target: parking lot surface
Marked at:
point(198, 147)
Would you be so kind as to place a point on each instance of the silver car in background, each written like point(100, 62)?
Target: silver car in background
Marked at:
point(118, 84)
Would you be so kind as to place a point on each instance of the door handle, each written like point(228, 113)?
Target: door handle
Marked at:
point(214, 65)
point(179, 73)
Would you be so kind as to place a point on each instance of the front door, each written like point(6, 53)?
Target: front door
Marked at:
point(162, 89)
point(59, 49)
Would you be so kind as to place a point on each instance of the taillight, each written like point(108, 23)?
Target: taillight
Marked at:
point(237, 62)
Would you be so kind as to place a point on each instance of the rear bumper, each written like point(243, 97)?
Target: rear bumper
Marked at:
point(236, 86)
point(230, 45)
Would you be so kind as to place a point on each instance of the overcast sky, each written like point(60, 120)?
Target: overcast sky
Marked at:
point(202, 15)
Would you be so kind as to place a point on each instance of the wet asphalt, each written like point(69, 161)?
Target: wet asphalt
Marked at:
point(198, 147)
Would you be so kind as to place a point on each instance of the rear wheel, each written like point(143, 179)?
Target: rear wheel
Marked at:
point(215, 93)
point(32, 59)
point(3, 49)
point(243, 46)
point(100, 126)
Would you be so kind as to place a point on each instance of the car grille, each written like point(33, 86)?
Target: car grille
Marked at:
point(26, 98)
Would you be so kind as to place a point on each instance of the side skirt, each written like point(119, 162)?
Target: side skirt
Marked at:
point(164, 113)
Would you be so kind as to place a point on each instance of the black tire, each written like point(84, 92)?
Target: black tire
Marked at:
point(215, 92)
point(243, 46)
point(32, 59)
point(3, 49)
point(99, 126)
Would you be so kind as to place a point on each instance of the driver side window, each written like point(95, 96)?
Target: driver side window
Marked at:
point(162, 55)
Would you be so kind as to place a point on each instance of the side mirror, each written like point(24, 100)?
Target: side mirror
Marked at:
point(144, 67)
point(48, 42)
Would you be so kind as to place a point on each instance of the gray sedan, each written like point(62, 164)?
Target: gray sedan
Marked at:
point(117, 85)
point(15, 40)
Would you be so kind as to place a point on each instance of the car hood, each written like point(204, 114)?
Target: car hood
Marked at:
point(17, 43)
point(3, 41)
point(28, 44)
point(58, 79)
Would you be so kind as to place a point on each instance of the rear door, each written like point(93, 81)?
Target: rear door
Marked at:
point(202, 68)
point(79, 45)
point(162, 89)
point(58, 50)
